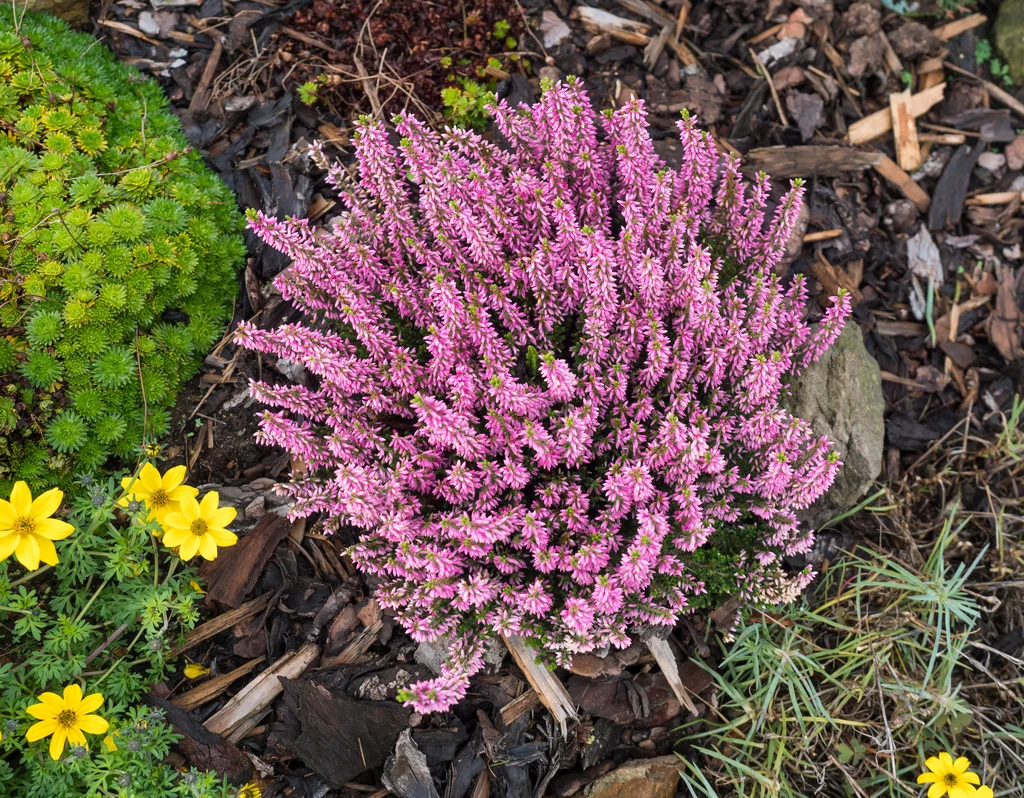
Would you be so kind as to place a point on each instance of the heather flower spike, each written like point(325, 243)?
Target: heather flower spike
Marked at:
point(546, 377)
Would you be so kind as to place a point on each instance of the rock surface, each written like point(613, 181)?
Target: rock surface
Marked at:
point(643, 778)
point(841, 397)
point(1009, 36)
point(74, 12)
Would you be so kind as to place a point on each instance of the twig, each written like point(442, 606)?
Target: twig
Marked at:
point(1004, 97)
point(771, 87)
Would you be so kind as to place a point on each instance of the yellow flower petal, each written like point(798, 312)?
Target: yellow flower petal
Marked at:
point(42, 711)
point(37, 731)
point(150, 478)
point(208, 547)
point(28, 552)
point(195, 671)
point(937, 790)
point(928, 778)
point(961, 792)
point(176, 520)
point(181, 492)
point(195, 586)
point(47, 551)
point(970, 777)
point(21, 499)
point(210, 502)
point(93, 724)
point(57, 743)
point(72, 697)
point(222, 537)
point(173, 477)
point(52, 529)
point(7, 515)
point(52, 701)
point(221, 517)
point(91, 703)
point(75, 736)
point(947, 762)
point(984, 792)
point(189, 509)
point(8, 543)
point(47, 504)
point(108, 743)
point(961, 764)
point(188, 548)
point(175, 536)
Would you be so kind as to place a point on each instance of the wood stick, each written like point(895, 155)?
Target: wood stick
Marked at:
point(550, 691)
point(201, 95)
point(684, 15)
point(953, 29)
point(648, 11)
point(995, 198)
point(908, 148)
point(880, 122)
point(597, 20)
point(771, 87)
point(518, 707)
point(891, 171)
point(823, 235)
point(243, 711)
point(209, 690)
point(767, 33)
point(1004, 97)
point(225, 620)
point(666, 660)
point(942, 138)
point(354, 651)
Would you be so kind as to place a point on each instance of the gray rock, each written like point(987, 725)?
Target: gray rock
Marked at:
point(1009, 36)
point(841, 397)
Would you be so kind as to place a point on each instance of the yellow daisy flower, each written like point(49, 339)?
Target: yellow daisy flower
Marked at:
point(250, 790)
point(949, 778)
point(160, 493)
point(66, 718)
point(199, 527)
point(26, 528)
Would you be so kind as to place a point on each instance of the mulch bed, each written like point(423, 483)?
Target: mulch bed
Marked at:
point(950, 369)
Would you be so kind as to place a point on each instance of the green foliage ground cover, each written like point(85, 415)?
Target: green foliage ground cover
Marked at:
point(118, 254)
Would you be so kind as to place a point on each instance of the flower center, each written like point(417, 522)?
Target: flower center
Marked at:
point(950, 779)
point(24, 526)
point(67, 718)
point(198, 527)
point(158, 499)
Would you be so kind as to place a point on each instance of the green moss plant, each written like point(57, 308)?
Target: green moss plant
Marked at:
point(118, 254)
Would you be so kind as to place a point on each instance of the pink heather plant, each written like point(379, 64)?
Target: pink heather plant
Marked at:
point(545, 378)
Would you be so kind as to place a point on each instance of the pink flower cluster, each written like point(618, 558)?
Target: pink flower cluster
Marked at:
point(544, 376)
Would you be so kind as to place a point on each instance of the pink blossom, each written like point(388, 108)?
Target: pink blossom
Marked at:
point(545, 376)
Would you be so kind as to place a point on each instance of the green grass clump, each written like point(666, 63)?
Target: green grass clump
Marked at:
point(848, 691)
point(118, 253)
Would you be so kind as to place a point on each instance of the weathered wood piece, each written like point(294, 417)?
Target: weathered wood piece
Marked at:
point(908, 147)
point(890, 170)
point(880, 122)
point(597, 20)
point(551, 692)
point(243, 711)
point(666, 660)
point(212, 688)
point(826, 160)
